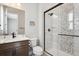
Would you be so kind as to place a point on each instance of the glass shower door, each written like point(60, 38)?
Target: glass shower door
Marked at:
point(62, 30)
point(48, 33)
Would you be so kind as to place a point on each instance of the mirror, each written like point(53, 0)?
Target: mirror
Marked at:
point(11, 20)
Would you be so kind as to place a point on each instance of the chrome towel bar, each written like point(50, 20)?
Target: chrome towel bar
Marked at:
point(69, 35)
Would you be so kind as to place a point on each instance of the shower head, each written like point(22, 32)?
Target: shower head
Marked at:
point(50, 14)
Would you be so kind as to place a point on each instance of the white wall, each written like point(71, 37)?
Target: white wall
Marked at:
point(31, 10)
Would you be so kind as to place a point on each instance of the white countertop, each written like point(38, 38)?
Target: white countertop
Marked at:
point(9, 39)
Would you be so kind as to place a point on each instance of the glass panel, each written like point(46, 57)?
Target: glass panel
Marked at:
point(62, 23)
point(76, 30)
point(48, 33)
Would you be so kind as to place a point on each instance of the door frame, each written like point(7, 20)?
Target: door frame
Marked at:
point(44, 23)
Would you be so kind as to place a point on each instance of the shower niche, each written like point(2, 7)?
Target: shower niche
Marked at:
point(63, 21)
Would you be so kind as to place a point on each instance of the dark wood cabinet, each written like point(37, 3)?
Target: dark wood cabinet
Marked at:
point(20, 48)
point(21, 51)
point(6, 52)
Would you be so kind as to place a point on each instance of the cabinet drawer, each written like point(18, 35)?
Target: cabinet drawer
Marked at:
point(20, 43)
point(6, 46)
point(13, 44)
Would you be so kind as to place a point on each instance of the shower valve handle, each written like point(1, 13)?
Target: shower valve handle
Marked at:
point(49, 30)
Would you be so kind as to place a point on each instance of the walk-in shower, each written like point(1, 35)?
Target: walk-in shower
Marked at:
point(61, 29)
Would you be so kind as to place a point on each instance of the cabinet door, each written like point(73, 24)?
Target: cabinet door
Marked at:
point(22, 51)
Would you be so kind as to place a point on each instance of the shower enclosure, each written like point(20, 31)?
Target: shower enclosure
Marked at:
point(61, 30)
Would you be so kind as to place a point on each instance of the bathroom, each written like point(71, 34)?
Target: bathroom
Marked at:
point(39, 29)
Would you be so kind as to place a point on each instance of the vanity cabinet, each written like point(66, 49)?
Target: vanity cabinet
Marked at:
point(20, 48)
